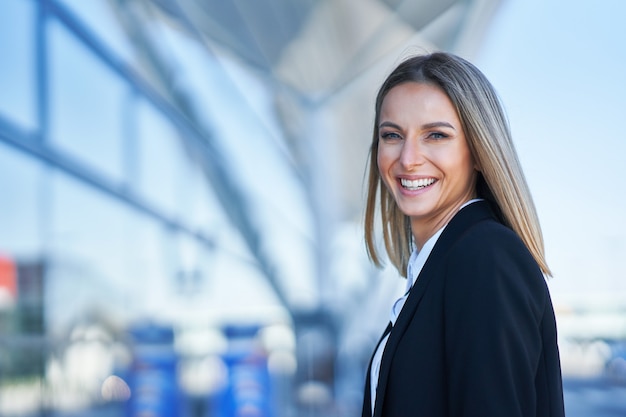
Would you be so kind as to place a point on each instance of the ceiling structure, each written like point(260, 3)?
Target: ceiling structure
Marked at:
point(322, 61)
point(327, 58)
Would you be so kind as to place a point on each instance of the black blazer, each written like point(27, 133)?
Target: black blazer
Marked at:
point(477, 335)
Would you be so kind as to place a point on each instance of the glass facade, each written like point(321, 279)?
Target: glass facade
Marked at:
point(86, 102)
point(17, 78)
point(120, 265)
point(165, 242)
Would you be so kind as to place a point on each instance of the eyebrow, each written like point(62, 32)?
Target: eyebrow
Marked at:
point(424, 127)
point(437, 124)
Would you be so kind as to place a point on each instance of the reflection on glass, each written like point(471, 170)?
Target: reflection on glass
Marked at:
point(17, 75)
point(86, 105)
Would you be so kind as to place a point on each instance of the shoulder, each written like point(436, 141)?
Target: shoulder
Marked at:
point(490, 261)
point(489, 240)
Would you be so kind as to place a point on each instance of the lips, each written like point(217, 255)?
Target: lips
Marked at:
point(414, 185)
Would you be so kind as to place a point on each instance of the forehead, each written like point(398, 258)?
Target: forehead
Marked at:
point(421, 93)
point(414, 101)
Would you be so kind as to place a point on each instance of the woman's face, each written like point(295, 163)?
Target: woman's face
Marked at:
point(423, 156)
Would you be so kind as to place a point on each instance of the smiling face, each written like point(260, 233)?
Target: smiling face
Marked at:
point(423, 156)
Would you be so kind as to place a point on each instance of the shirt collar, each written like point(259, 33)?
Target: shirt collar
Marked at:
point(418, 257)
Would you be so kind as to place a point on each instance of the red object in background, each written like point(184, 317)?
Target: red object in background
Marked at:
point(8, 276)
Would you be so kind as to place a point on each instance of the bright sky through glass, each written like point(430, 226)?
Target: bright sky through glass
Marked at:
point(559, 67)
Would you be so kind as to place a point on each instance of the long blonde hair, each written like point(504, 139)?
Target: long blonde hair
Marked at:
point(500, 180)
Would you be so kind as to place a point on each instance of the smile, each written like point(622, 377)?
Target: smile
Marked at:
point(413, 185)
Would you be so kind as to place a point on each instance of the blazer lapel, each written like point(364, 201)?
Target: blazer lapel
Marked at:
point(462, 221)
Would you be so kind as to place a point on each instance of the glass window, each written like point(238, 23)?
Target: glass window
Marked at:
point(211, 284)
point(20, 207)
point(99, 17)
point(207, 214)
point(162, 160)
point(17, 76)
point(111, 268)
point(87, 102)
point(111, 259)
point(150, 268)
point(190, 281)
point(89, 250)
point(188, 189)
point(238, 290)
point(21, 276)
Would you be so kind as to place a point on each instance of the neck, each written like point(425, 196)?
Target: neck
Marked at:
point(424, 229)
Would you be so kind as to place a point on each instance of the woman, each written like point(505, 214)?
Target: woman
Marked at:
point(475, 334)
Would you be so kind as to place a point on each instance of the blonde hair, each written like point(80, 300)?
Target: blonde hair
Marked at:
point(500, 181)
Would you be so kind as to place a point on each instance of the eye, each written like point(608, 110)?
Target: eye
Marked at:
point(388, 136)
point(437, 135)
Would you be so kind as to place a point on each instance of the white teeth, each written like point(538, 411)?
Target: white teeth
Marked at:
point(416, 184)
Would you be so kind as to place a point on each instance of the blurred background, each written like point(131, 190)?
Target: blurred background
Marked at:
point(181, 195)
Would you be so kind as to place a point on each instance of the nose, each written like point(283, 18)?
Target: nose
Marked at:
point(412, 154)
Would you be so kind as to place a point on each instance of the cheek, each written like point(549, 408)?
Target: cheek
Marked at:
point(465, 171)
point(384, 158)
point(458, 161)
